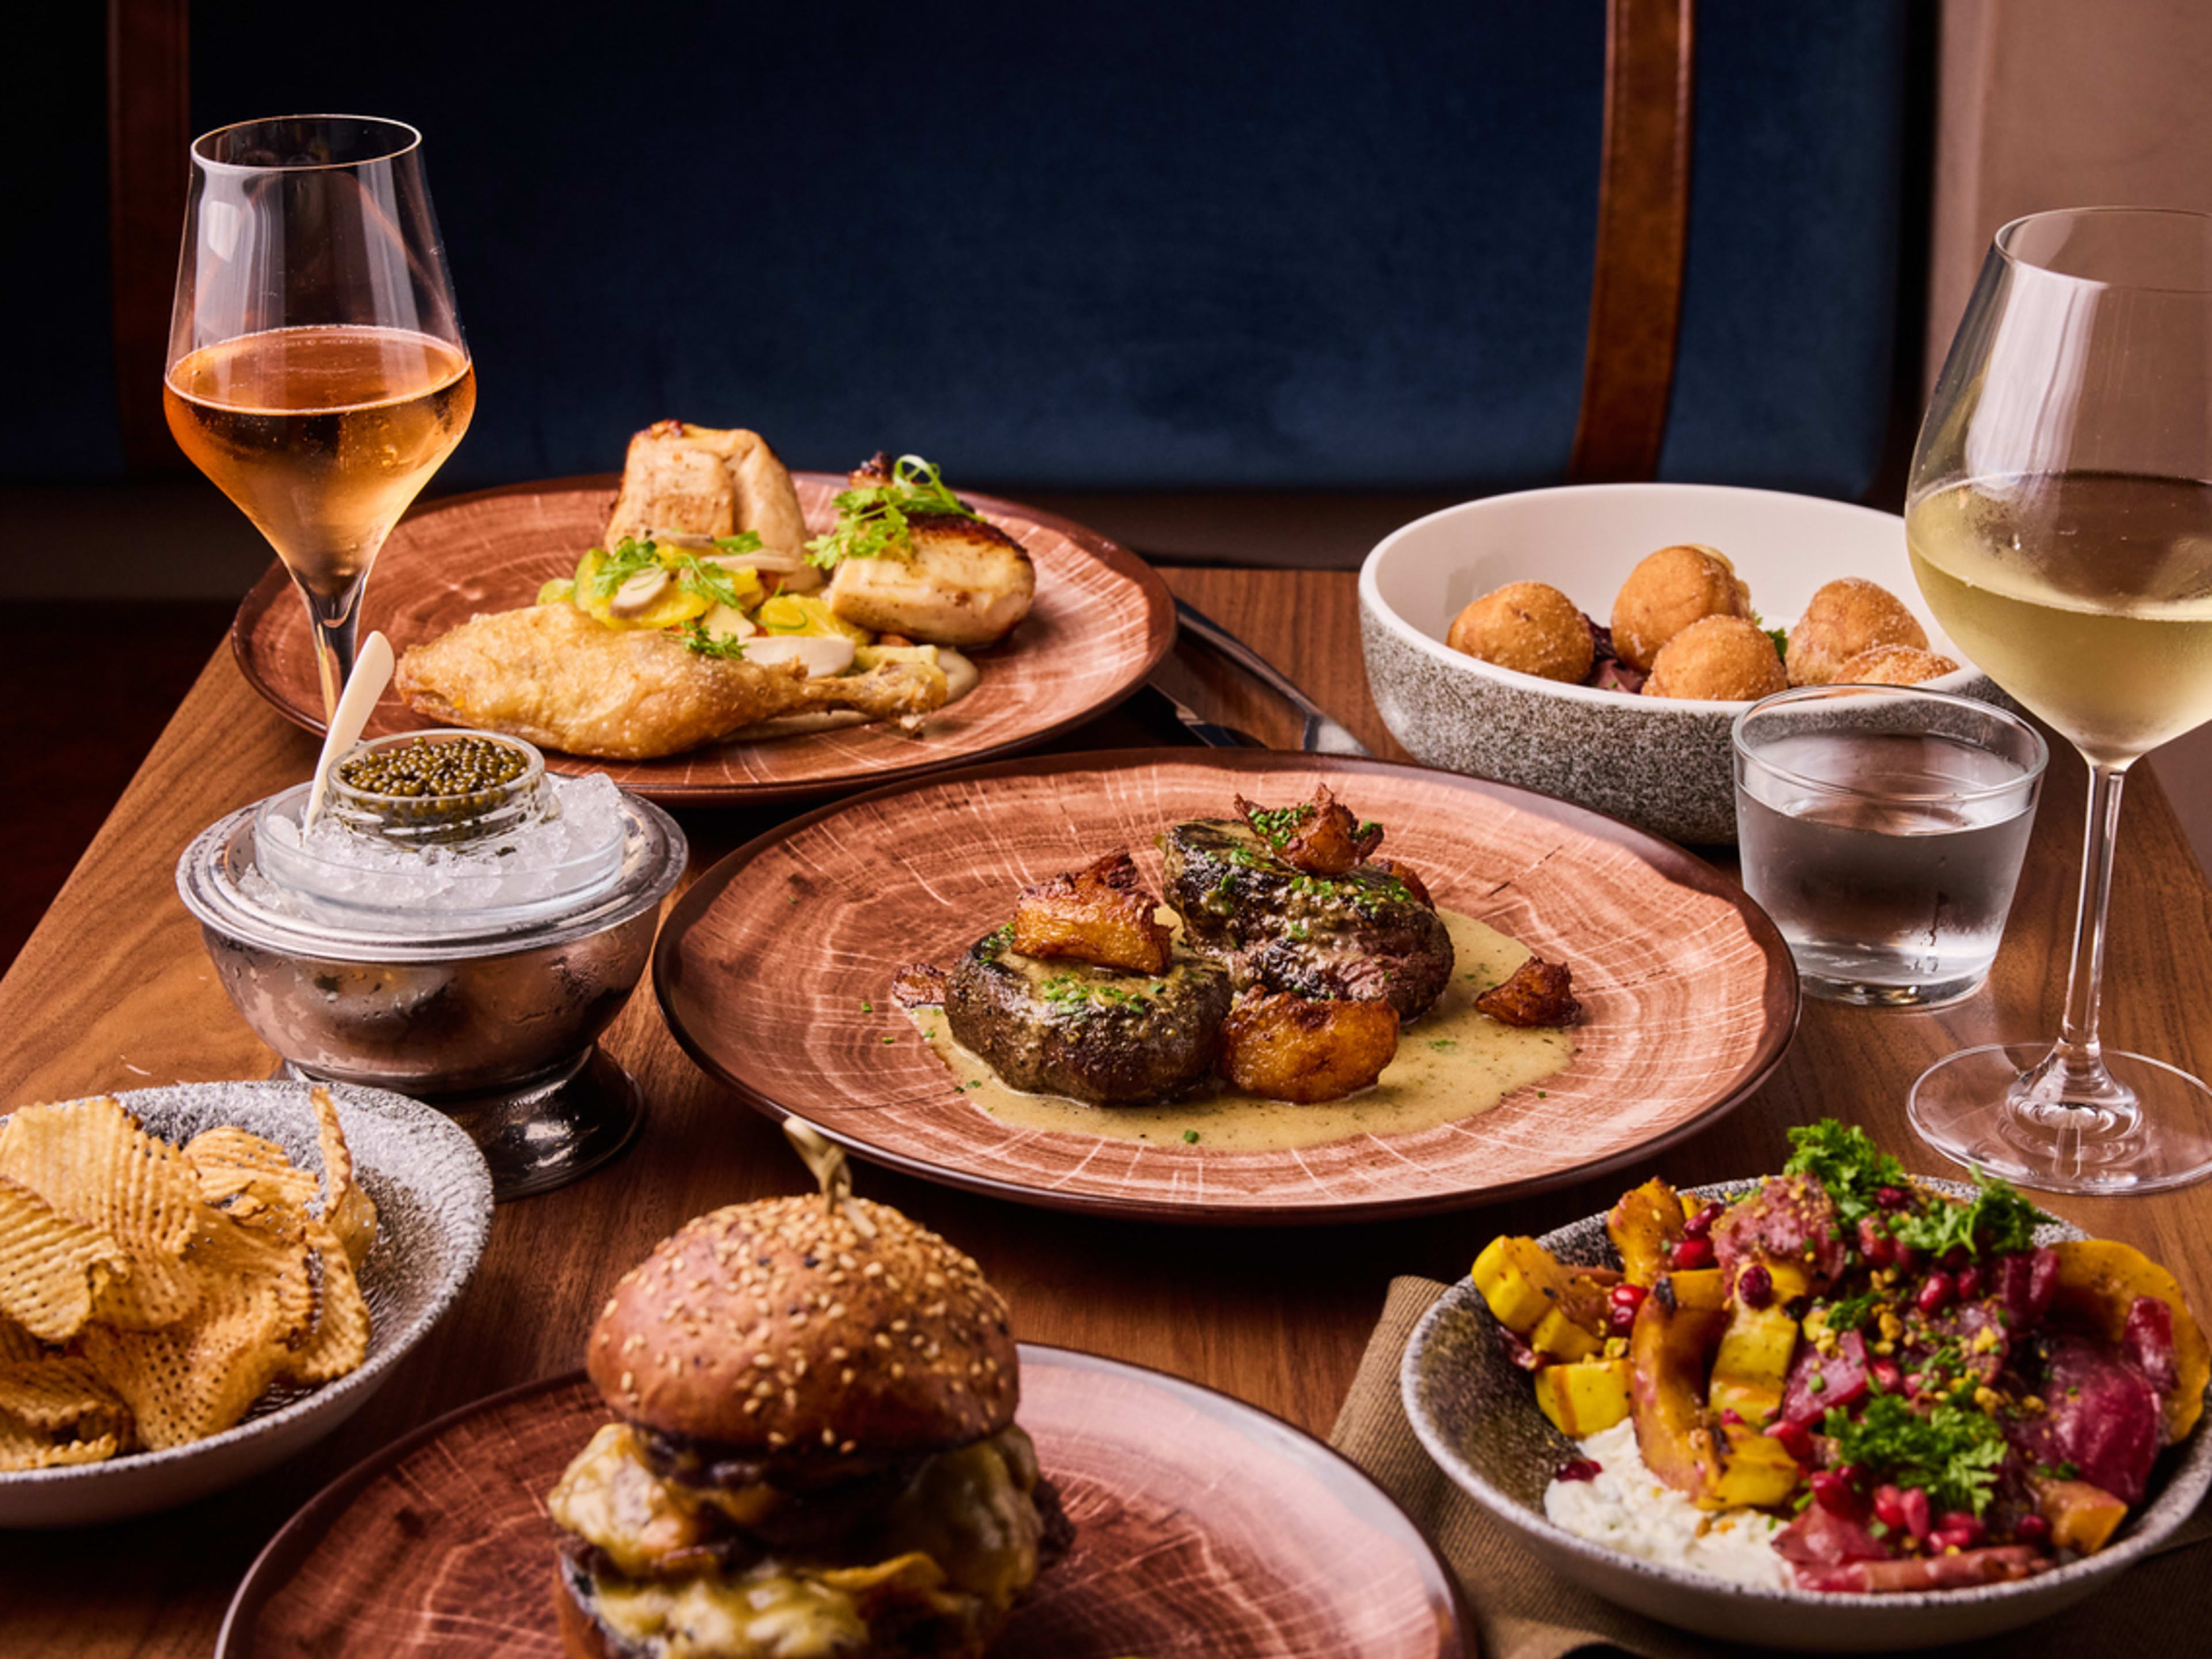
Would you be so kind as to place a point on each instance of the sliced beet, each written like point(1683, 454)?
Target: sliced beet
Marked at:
point(1818, 1381)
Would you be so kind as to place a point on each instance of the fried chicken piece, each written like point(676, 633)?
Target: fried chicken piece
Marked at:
point(1320, 838)
point(959, 581)
point(552, 675)
point(706, 480)
point(1537, 993)
point(1846, 617)
point(1530, 626)
point(1666, 593)
point(1102, 915)
point(1283, 1047)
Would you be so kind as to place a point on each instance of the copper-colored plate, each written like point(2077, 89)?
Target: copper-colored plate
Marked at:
point(1102, 620)
point(775, 971)
point(1203, 1527)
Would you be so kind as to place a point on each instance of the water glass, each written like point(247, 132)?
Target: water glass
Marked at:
point(1883, 829)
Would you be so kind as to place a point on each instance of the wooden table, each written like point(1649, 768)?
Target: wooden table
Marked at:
point(113, 992)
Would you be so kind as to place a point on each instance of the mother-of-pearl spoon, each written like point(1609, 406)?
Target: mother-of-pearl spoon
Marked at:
point(372, 673)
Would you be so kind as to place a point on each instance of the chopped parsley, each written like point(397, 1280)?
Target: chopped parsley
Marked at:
point(1277, 826)
point(1848, 1164)
point(630, 558)
point(1953, 1453)
point(1781, 638)
point(1996, 1220)
point(1850, 1312)
point(1190, 1136)
point(728, 646)
point(1443, 1045)
point(992, 945)
point(872, 518)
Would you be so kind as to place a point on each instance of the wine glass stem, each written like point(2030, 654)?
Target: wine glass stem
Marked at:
point(2079, 1050)
point(331, 620)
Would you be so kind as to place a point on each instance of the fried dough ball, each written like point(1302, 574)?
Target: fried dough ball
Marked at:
point(1849, 616)
point(1893, 665)
point(1725, 658)
point(1527, 626)
point(1668, 591)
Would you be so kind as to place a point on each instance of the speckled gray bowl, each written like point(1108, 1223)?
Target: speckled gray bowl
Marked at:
point(432, 1198)
point(1659, 762)
point(1475, 1411)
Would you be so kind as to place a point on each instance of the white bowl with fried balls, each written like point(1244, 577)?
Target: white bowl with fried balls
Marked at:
point(1659, 762)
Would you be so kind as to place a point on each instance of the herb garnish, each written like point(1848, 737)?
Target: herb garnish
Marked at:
point(1848, 1164)
point(728, 646)
point(1952, 1453)
point(871, 519)
point(630, 558)
point(1997, 1220)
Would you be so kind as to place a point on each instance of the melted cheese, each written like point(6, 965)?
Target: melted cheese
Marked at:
point(956, 1547)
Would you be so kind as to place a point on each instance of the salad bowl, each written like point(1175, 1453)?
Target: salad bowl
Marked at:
point(1473, 1410)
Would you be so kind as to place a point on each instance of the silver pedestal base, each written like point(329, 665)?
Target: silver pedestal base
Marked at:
point(548, 1129)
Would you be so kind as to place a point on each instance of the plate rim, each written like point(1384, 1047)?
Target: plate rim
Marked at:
point(308, 1525)
point(1782, 995)
point(473, 1236)
point(275, 584)
point(2194, 1468)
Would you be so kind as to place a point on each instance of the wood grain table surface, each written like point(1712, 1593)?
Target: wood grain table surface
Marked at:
point(114, 991)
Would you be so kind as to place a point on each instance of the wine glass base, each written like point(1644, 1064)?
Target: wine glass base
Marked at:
point(1969, 1107)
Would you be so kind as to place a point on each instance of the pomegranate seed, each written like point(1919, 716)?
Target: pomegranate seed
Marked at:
point(1702, 1223)
point(1833, 1492)
point(1620, 1308)
point(1731, 1416)
point(1889, 1507)
point(1964, 1525)
point(1970, 1283)
point(1944, 1538)
point(1796, 1438)
point(1578, 1469)
point(1887, 1376)
point(1693, 1254)
point(1892, 1198)
point(1878, 1248)
point(1754, 1285)
point(1935, 1293)
point(2031, 1528)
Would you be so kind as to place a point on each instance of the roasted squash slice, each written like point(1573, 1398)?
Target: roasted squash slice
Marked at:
point(1645, 1226)
point(1667, 1348)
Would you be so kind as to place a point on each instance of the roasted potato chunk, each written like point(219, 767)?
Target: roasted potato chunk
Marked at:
point(1102, 915)
point(1537, 993)
point(1291, 1047)
point(1320, 838)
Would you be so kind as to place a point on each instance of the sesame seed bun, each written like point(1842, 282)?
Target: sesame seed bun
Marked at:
point(779, 1327)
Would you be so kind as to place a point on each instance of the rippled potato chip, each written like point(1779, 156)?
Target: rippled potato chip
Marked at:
point(185, 1281)
point(348, 1212)
point(51, 1268)
point(198, 1376)
point(90, 1160)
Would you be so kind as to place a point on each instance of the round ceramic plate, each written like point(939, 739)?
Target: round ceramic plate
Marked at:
point(1475, 1411)
point(1202, 1527)
point(775, 971)
point(433, 1212)
point(1102, 620)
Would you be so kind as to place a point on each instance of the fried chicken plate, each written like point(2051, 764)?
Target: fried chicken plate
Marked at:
point(551, 675)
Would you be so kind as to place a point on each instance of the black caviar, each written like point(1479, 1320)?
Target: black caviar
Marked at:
point(440, 769)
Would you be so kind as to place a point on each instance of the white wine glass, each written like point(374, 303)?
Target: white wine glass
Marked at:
point(2060, 522)
point(316, 368)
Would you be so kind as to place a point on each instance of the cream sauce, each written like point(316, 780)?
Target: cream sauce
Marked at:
point(1452, 1064)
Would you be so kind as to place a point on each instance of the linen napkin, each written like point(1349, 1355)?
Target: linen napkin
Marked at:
point(1521, 1609)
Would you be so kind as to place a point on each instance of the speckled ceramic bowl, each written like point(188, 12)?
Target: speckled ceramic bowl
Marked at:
point(1475, 1411)
point(1659, 762)
point(432, 1198)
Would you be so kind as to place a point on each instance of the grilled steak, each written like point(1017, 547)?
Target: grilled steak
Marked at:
point(1095, 1034)
point(1362, 936)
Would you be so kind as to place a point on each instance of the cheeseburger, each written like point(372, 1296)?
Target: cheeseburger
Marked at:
point(817, 1452)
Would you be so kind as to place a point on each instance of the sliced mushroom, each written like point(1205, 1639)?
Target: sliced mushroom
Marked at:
point(824, 654)
point(635, 596)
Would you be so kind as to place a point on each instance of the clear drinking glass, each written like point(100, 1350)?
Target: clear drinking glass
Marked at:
point(316, 368)
point(2060, 522)
point(1882, 829)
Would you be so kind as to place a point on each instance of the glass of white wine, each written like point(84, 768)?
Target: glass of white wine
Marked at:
point(2060, 521)
point(316, 369)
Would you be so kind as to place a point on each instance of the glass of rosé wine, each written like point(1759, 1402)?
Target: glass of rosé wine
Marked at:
point(2059, 518)
point(316, 367)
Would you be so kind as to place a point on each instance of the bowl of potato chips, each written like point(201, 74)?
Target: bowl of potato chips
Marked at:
point(197, 1281)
